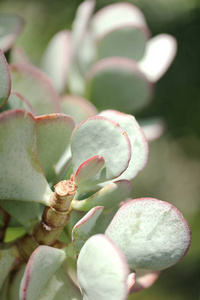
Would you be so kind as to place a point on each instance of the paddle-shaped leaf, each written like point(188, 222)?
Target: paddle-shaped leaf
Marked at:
point(152, 128)
point(21, 176)
point(143, 280)
point(159, 54)
point(11, 25)
point(124, 86)
point(127, 41)
point(9, 257)
point(109, 196)
point(139, 145)
point(5, 81)
point(83, 229)
point(152, 234)
point(115, 16)
point(36, 87)
point(60, 287)
point(77, 107)
point(44, 258)
point(87, 170)
point(17, 101)
point(53, 138)
point(56, 59)
point(101, 136)
point(102, 270)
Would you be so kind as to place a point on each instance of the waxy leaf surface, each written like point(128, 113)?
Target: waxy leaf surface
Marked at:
point(109, 196)
point(152, 234)
point(36, 87)
point(21, 176)
point(125, 88)
point(44, 258)
point(11, 26)
point(152, 128)
point(8, 258)
point(143, 280)
point(101, 136)
point(102, 270)
point(56, 59)
point(53, 138)
point(60, 287)
point(5, 81)
point(77, 107)
point(17, 101)
point(139, 145)
point(83, 229)
point(159, 54)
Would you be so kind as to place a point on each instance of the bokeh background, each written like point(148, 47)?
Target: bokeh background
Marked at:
point(173, 170)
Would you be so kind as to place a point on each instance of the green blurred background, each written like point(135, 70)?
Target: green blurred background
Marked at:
point(173, 170)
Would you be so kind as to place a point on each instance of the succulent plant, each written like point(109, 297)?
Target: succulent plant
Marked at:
point(85, 239)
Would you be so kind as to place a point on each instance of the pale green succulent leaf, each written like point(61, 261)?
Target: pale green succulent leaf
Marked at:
point(126, 41)
point(9, 257)
point(143, 280)
point(102, 270)
point(101, 136)
point(125, 88)
point(87, 170)
point(5, 80)
point(116, 16)
point(53, 138)
point(36, 87)
point(17, 101)
point(109, 196)
point(18, 55)
point(77, 107)
point(152, 234)
point(44, 258)
point(83, 228)
point(159, 54)
point(139, 145)
point(153, 128)
point(11, 25)
point(60, 287)
point(56, 59)
point(21, 175)
point(15, 285)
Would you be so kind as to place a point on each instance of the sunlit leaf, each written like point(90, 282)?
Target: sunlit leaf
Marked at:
point(102, 270)
point(159, 54)
point(152, 234)
point(21, 176)
point(44, 258)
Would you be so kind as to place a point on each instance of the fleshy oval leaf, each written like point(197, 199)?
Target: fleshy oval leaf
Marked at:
point(9, 257)
point(125, 88)
point(56, 59)
point(5, 80)
point(143, 280)
point(17, 101)
point(152, 234)
point(44, 258)
point(53, 138)
point(79, 108)
point(109, 196)
point(101, 136)
point(153, 128)
point(87, 170)
point(36, 87)
point(83, 229)
point(106, 278)
point(159, 54)
point(11, 26)
point(126, 41)
point(21, 176)
point(139, 145)
point(115, 16)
